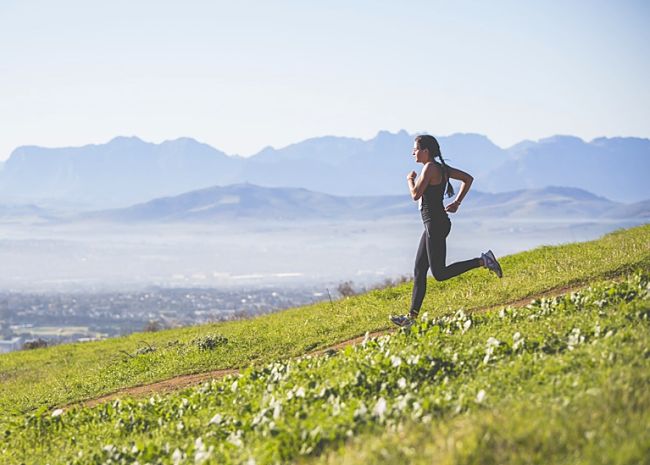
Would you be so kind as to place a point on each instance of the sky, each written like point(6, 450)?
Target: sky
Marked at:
point(244, 75)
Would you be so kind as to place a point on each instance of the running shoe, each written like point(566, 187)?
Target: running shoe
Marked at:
point(403, 321)
point(491, 263)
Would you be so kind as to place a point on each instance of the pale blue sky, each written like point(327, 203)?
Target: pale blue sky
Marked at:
point(241, 76)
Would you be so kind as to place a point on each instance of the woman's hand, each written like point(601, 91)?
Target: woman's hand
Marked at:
point(412, 175)
point(452, 207)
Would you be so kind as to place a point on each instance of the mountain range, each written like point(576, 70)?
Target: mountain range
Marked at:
point(247, 201)
point(128, 170)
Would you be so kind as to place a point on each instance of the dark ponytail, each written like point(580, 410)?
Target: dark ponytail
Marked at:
point(445, 170)
point(429, 142)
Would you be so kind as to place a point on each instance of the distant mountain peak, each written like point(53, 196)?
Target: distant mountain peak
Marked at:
point(127, 141)
point(468, 135)
point(385, 133)
point(562, 139)
point(182, 140)
point(186, 142)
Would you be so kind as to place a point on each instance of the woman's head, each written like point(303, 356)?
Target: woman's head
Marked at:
point(428, 146)
point(425, 149)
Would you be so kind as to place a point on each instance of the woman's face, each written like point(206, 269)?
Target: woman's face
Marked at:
point(420, 155)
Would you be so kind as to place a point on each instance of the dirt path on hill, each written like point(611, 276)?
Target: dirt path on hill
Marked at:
point(183, 381)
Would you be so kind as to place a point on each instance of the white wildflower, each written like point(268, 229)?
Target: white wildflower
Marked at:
point(491, 344)
point(575, 338)
point(200, 454)
point(216, 420)
point(300, 392)
point(467, 325)
point(277, 410)
point(233, 387)
point(480, 397)
point(413, 359)
point(380, 408)
point(177, 457)
point(57, 413)
point(235, 438)
point(401, 383)
point(336, 406)
point(518, 341)
point(395, 361)
point(360, 411)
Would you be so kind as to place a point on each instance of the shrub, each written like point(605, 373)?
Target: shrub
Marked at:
point(35, 344)
point(210, 342)
point(346, 289)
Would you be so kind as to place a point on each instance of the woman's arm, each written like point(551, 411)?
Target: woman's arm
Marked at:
point(418, 187)
point(466, 182)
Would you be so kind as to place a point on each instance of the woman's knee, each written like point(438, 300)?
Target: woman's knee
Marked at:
point(439, 275)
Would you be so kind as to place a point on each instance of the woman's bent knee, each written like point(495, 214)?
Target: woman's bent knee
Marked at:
point(440, 276)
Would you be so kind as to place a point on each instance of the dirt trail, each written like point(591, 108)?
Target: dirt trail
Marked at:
point(183, 381)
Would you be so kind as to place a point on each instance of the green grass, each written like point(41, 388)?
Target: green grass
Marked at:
point(69, 373)
point(562, 380)
point(602, 420)
point(583, 404)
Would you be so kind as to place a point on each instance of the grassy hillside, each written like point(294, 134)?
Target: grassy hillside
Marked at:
point(69, 373)
point(560, 380)
point(286, 410)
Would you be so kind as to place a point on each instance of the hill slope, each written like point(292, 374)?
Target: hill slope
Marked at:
point(240, 201)
point(517, 363)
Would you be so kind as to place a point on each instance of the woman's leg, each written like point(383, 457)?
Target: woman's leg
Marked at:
point(437, 255)
point(420, 276)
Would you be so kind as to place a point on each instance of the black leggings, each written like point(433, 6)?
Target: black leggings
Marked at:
point(432, 253)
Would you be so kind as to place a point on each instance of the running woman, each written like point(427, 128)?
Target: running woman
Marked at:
point(428, 190)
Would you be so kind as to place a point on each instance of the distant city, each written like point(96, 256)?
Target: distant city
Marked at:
point(35, 319)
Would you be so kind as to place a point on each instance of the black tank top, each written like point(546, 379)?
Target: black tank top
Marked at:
point(431, 204)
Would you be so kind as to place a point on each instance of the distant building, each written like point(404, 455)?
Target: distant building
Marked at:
point(9, 345)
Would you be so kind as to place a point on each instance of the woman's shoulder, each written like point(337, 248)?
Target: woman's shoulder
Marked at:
point(433, 171)
point(432, 165)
